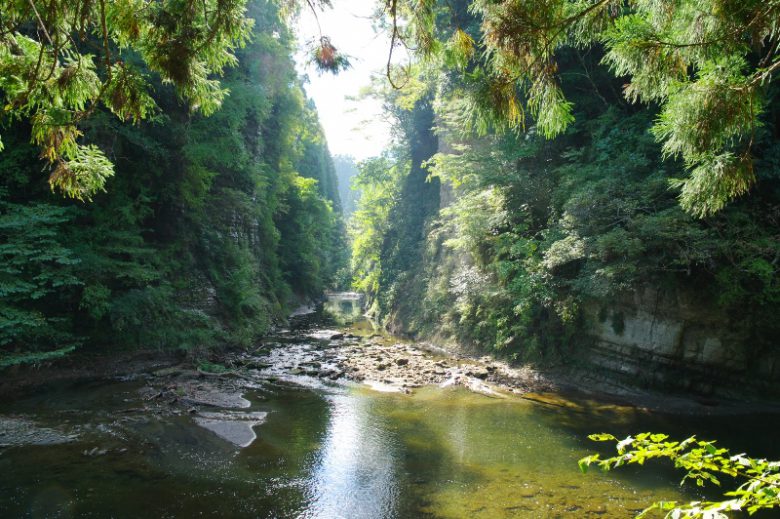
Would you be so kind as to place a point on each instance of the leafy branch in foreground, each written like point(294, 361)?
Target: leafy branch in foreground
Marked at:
point(703, 462)
point(60, 60)
point(706, 64)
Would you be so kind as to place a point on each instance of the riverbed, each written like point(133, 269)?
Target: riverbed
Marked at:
point(296, 428)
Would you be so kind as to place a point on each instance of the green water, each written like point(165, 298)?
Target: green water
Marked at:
point(339, 451)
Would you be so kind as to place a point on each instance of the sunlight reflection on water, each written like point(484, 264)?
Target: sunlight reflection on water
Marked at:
point(332, 450)
point(355, 474)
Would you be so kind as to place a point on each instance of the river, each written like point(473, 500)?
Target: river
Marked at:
point(334, 449)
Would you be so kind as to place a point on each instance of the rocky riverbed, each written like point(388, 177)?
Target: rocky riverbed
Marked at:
point(213, 395)
point(327, 419)
point(310, 356)
point(318, 358)
point(383, 363)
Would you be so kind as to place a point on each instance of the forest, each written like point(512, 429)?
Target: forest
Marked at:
point(207, 231)
point(536, 239)
point(576, 212)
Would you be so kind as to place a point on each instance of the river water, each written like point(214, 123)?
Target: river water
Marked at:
point(338, 450)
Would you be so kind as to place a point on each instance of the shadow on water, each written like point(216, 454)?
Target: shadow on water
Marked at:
point(341, 451)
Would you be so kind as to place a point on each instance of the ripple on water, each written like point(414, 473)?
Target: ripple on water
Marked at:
point(330, 451)
point(16, 431)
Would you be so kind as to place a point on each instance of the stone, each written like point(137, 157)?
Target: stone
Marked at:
point(214, 397)
point(95, 451)
point(236, 428)
point(478, 373)
point(20, 431)
point(402, 362)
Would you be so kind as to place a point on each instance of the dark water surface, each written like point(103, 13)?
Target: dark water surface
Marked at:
point(340, 451)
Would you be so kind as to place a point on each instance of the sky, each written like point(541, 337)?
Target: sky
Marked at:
point(356, 128)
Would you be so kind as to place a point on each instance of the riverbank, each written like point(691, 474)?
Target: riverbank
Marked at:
point(84, 366)
point(318, 348)
point(330, 419)
point(386, 363)
point(307, 355)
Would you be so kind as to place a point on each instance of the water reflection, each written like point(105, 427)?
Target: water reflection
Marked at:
point(355, 474)
point(335, 451)
point(343, 452)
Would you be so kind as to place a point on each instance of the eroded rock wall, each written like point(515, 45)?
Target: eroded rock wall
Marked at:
point(673, 339)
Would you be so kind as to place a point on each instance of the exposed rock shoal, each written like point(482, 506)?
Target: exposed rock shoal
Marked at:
point(386, 365)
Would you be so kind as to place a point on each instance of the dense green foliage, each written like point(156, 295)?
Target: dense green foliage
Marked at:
point(533, 232)
point(209, 231)
point(551, 227)
point(378, 182)
point(704, 462)
point(553, 157)
point(51, 76)
point(396, 200)
point(706, 63)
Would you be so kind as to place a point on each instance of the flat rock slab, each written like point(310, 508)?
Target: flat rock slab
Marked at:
point(20, 431)
point(213, 396)
point(235, 427)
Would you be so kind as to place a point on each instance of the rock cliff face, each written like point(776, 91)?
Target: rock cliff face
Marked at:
point(676, 341)
point(663, 334)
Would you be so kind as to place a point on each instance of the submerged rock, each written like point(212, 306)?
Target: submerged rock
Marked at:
point(95, 451)
point(235, 427)
point(215, 397)
point(20, 431)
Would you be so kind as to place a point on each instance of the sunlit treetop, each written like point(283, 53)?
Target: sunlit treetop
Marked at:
point(705, 63)
point(60, 60)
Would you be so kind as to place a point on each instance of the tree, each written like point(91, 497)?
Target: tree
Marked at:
point(197, 241)
point(706, 63)
point(35, 271)
point(61, 60)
